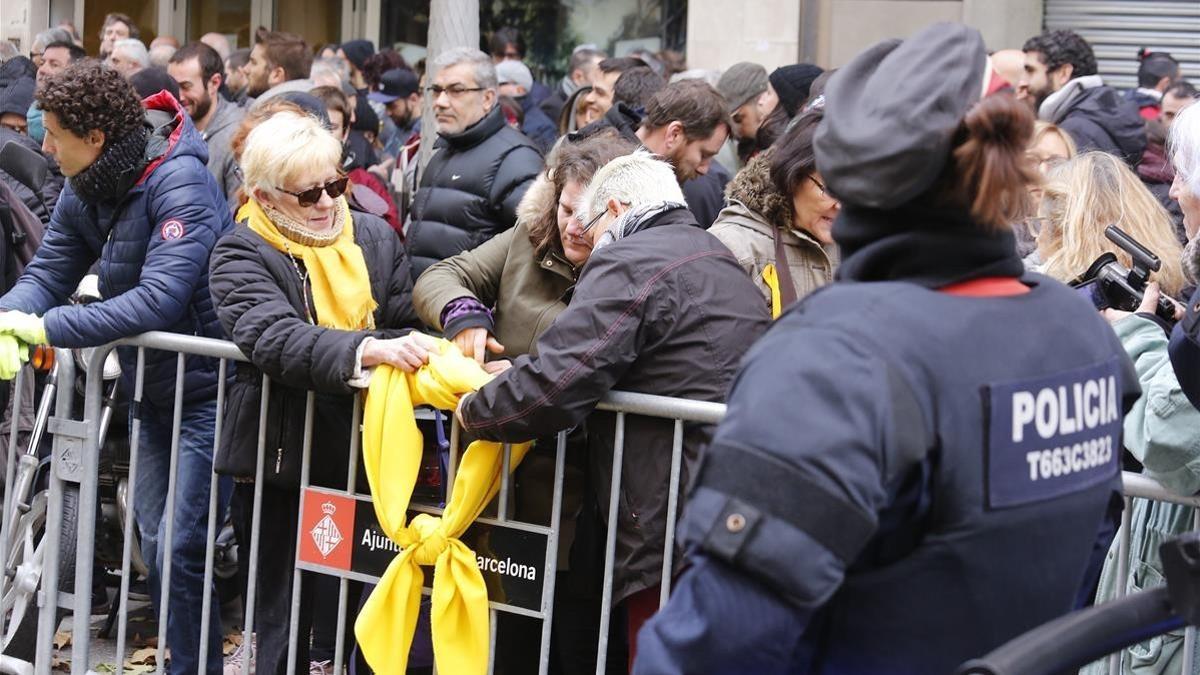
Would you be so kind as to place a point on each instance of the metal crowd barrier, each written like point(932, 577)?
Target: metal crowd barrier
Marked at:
point(76, 452)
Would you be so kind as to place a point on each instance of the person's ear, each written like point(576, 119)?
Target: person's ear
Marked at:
point(95, 138)
point(489, 99)
point(276, 75)
point(613, 206)
point(674, 135)
point(1064, 74)
point(214, 82)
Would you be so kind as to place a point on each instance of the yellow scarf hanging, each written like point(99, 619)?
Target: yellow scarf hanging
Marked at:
point(341, 287)
point(771, 278)
point(391, 447)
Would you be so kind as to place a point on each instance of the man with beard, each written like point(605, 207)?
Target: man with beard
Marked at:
point(278, 62)
point(198, 70)
point(686, 125)
point(1062, 79)
point(400, 93)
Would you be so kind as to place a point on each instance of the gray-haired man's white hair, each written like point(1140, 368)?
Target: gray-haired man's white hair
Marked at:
point(481, 64)
point(1184, 145)
point(134, 49)
point(634, 179)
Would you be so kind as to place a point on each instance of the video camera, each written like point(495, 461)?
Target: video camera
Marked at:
point(1108, 283)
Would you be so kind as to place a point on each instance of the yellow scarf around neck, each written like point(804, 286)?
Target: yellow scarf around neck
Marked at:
point(391, 448)
point(341, 287)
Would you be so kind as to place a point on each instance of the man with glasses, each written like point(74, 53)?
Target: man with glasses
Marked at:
point(142, 203)
point(480, 169)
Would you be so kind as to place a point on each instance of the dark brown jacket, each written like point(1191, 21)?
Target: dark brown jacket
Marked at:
point(665, 310)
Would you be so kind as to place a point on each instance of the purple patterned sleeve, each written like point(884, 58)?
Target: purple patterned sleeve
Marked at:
point(465, 312)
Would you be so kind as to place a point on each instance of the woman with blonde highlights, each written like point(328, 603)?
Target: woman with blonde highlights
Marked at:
point(314, 295)
point(1084, 196)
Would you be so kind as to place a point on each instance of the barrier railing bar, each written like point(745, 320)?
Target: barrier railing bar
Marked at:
point(672, 510)
point(210, 543)
point(339, 649)
point(491, 665)
point(551, 577)
point(10, 491)
point(48, 598)
point(1137, 485)
point(255, 527)
point(166, 539)
point(305, 467)
point(665, 407)
point(610, 542)
point(505, 470)
point(131, 517)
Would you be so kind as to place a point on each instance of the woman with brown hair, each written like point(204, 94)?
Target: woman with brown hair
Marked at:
point(876, 498)
point(500, 296)
point(778, 219)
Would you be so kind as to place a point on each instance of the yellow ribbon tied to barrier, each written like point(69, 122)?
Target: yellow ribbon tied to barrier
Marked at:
point(771, 278)
point(391, 447)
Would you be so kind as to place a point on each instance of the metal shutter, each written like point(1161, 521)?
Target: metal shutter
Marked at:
point(1117, 29)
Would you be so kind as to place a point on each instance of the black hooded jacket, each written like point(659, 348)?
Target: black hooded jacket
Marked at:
point(1102, 119)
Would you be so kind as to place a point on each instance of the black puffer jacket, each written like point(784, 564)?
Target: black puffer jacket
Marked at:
point(257, 292)
point(666, 310)
point(470, 190)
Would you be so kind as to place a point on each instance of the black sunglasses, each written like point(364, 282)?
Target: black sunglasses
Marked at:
point(335, 188)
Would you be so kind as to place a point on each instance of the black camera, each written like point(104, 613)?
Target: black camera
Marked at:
point(1108, 283)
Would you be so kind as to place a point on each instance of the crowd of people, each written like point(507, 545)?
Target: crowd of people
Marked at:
point(863, 263)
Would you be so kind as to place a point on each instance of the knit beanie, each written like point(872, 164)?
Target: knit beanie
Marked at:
point(742, 83)
point(17, 97)
point(358, 51)
point(792, 83)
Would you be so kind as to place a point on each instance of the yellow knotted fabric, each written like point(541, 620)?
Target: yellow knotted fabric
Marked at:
point(771, 278)
point(392, 458)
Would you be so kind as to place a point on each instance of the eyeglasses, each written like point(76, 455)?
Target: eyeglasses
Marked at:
point(335, 188)
point(592, 223)
point(454, 91)
point(819, 184)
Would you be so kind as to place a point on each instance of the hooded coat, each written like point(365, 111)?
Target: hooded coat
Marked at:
point(1098, 118)
point(153, 246)
point(747, 225)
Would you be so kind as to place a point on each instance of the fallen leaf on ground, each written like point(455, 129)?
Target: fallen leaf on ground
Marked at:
point(61, 639)
point(143, 656)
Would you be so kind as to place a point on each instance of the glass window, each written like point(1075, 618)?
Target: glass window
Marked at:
point(230, 17)
point(319, 22)
point(143, 13)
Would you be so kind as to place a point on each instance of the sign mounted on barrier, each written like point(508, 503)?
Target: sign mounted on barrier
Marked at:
point(340, 535)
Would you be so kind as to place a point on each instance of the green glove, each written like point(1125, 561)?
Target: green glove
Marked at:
point(27, 328)
point(12, 355)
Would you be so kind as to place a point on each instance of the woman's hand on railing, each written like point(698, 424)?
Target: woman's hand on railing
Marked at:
point(408, 352)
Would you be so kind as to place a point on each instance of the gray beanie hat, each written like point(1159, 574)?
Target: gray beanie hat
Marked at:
point(892, 112)
point(742, 83)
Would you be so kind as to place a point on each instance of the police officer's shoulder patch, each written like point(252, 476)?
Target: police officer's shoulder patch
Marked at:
point(1053, 435)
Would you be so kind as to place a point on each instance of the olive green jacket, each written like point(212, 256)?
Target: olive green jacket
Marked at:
point(524, 291)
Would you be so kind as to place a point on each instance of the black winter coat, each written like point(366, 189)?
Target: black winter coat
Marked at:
point(470, 190)
point(257, 293)
point(666, 310)
point(1102, 119)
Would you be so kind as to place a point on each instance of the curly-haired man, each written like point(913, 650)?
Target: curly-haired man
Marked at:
point(1061, 76)
point(139, 199)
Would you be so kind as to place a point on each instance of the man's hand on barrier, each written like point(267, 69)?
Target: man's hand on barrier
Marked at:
point(408, 353)
point(12, 355)
point(476, 342)
point(27, 328)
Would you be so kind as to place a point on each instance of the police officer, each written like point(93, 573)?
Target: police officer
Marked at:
point(918, 461)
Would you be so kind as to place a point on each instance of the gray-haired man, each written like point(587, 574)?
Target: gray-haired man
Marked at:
point(480, 170)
